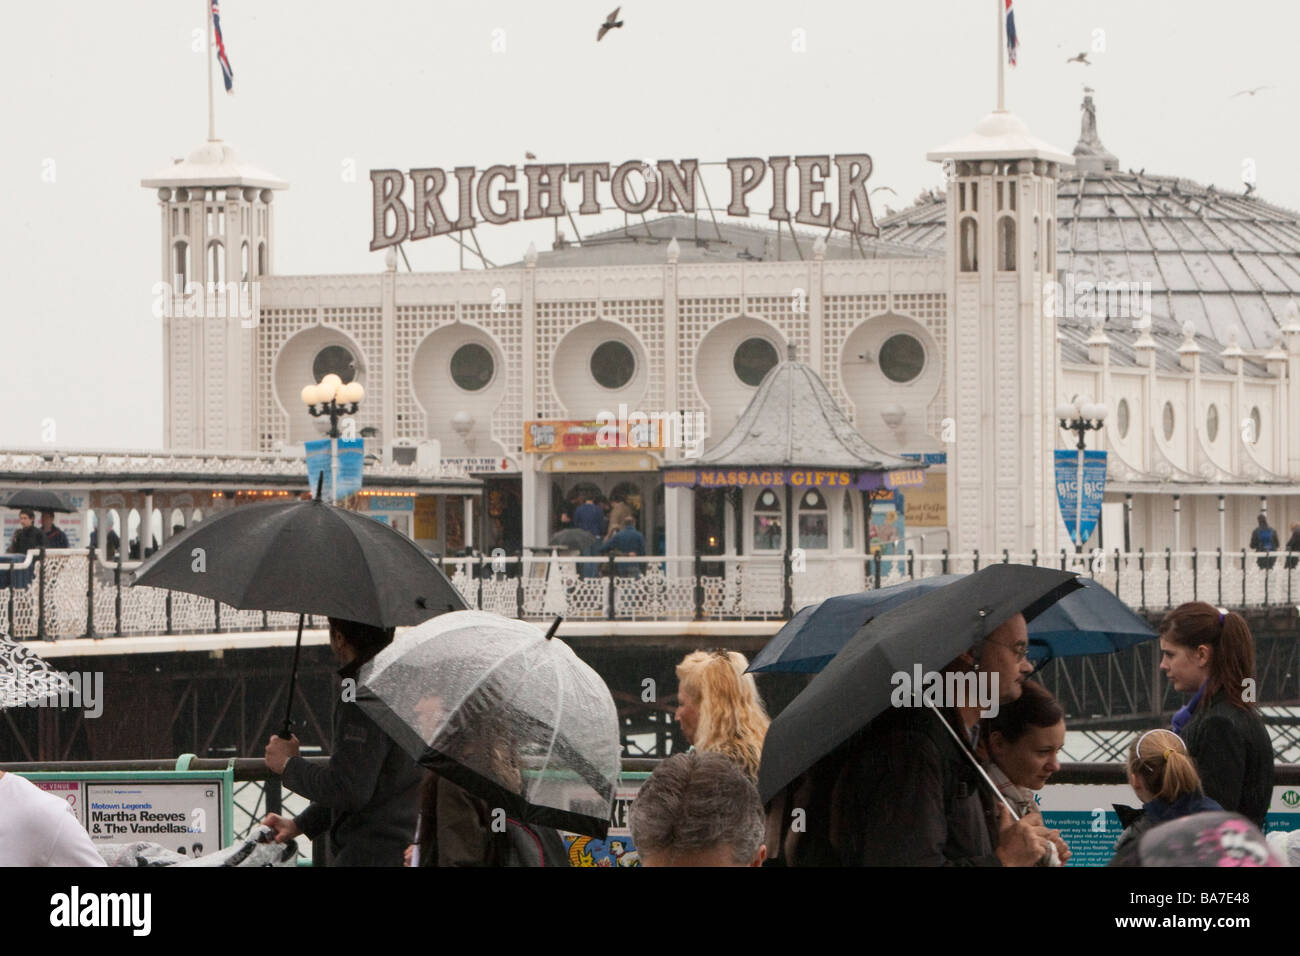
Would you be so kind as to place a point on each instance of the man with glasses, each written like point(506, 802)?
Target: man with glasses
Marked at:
point(903, 793)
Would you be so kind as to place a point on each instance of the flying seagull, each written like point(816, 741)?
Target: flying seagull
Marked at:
point(612, 21)
point(879, 188)
point(1081, 58)
point(1251, 92)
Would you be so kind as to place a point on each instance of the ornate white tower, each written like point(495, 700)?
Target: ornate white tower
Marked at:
point(216, 245)
point(1002, 350)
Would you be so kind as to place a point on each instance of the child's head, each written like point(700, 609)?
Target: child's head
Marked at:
point(1160, 768)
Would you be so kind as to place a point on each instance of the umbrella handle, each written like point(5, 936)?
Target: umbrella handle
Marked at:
point(970, 756)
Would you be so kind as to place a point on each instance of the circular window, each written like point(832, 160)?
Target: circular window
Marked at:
point(1168, 421)
point(1256, 424)
point(613, 364)
point(472, 367)
point(812, 500)
point(902, 357)
point(753, 360)
point(1121, 418)
point(336, 359)
point(767, 499)
point(1212, 422)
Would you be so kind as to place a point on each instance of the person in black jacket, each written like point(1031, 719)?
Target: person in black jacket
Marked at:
point(28, 537)
point(367, 798)
point(1211, 654)
point(1293, 545)
point(54, 535)
point(903, 792)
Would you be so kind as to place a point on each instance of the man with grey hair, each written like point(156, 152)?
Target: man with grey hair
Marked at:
point(698, 809)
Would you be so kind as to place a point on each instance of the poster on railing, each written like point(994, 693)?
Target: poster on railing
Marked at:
point(318, 467)
point(1067, 490)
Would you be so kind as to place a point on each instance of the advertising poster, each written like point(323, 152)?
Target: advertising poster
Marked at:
point(69, 790)
point(616, 849)
point(351, 460)
point(181, 816)
point(887, 524)
point(318, 467)
point(1067, 490)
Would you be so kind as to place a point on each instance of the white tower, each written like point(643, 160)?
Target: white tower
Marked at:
point(1002, 350)
point(216, 245)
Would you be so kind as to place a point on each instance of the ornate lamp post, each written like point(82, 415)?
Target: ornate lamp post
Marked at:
point(333, 398)
point(1080, 417)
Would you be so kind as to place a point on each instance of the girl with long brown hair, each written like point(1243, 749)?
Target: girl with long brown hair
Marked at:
point(1210, 654)
point(719, 708)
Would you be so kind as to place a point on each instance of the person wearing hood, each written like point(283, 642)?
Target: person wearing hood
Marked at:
point(1162, 774)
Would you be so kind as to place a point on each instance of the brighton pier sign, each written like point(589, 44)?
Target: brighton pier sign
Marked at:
point(497, 195)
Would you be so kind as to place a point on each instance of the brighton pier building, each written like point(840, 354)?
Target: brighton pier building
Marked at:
point(1036, 277)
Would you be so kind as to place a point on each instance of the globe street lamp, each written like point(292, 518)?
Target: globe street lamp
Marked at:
point(1080, 417)
point(333, 398)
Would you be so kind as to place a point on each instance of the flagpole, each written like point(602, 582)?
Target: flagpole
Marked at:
point(212, 122)
point(1002, 54)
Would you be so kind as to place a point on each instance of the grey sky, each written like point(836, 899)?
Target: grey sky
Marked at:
point(112, 92)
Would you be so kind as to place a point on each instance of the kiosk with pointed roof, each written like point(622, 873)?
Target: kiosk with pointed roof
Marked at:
point(793, 436)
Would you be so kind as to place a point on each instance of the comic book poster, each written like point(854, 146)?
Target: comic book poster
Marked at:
point(616, 849)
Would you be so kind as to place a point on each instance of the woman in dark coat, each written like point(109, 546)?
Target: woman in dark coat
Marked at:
point(1211, 655)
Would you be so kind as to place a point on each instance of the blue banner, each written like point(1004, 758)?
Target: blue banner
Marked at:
point(351, 458)
point(318, 463)
point(1067, 490)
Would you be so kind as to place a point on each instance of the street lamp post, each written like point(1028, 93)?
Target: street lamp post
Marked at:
point(333, 398)
point(1080, 417)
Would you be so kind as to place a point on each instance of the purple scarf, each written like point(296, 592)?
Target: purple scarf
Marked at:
point(1185, 712)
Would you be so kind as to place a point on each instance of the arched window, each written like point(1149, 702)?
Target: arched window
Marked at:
point(767, 522)
point(181, 266)
point(969, 245)
point(848, 520)
point(216, 262)
point(1006, 244)
point(244, 261)
point(261, 258)
point(814, 535)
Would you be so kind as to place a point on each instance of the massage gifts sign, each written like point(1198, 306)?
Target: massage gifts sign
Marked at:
point(824, 191)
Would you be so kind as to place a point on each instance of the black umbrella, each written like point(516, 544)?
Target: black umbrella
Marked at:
point(930, 631)
point(37, 499)
point(575, 539)
point(306, 557)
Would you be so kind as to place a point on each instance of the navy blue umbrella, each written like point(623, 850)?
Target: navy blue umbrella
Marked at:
point(1091, 620)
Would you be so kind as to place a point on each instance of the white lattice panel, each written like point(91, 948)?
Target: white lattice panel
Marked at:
point(554, 321)
point(841, 314)
point(505, 326)
point(412, 323)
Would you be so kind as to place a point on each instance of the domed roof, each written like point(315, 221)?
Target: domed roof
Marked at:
point(1227, 261)
point(213, 164)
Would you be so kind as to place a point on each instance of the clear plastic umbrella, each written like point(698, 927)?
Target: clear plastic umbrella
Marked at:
point(26, 678)
point(504, 710)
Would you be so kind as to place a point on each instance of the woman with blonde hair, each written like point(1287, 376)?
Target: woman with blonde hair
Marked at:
point(1163, 775)
point(719, 708)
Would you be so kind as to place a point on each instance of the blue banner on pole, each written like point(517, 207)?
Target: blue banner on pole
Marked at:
point(1067, 490)
point(318, 463)
point(351, 458)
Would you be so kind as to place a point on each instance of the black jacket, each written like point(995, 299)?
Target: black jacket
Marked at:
point(1233, 755)
point(901, 792)
point(27, 539)
point(367, 797)
point(1152, 814)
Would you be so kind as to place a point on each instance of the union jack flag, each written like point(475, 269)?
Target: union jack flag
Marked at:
point(226, 73)
point(1012, 42)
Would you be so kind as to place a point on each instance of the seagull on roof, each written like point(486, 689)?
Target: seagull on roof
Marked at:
point(528, 155)
point(1081, 58)
point(611, 22)
point(1250, 188)
point(1251, 92)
